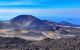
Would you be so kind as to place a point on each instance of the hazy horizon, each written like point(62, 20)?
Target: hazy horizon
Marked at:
point(53, 10)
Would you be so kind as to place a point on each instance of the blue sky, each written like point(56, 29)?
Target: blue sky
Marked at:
point(55, 10)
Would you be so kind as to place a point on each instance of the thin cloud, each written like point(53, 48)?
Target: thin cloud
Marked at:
point(19, 3)
point(45, 12)
point(40, 3)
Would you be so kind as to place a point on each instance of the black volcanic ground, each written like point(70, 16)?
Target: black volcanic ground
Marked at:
point(47, 44)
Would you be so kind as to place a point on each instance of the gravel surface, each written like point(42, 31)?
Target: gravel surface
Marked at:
point(47, 44)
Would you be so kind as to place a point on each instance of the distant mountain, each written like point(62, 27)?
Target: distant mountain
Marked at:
point(68, 24)
point(1, 21)
point(5, 25)
point(63, 23)
point(51, 23)
point(30, 22)
point(22, 19)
